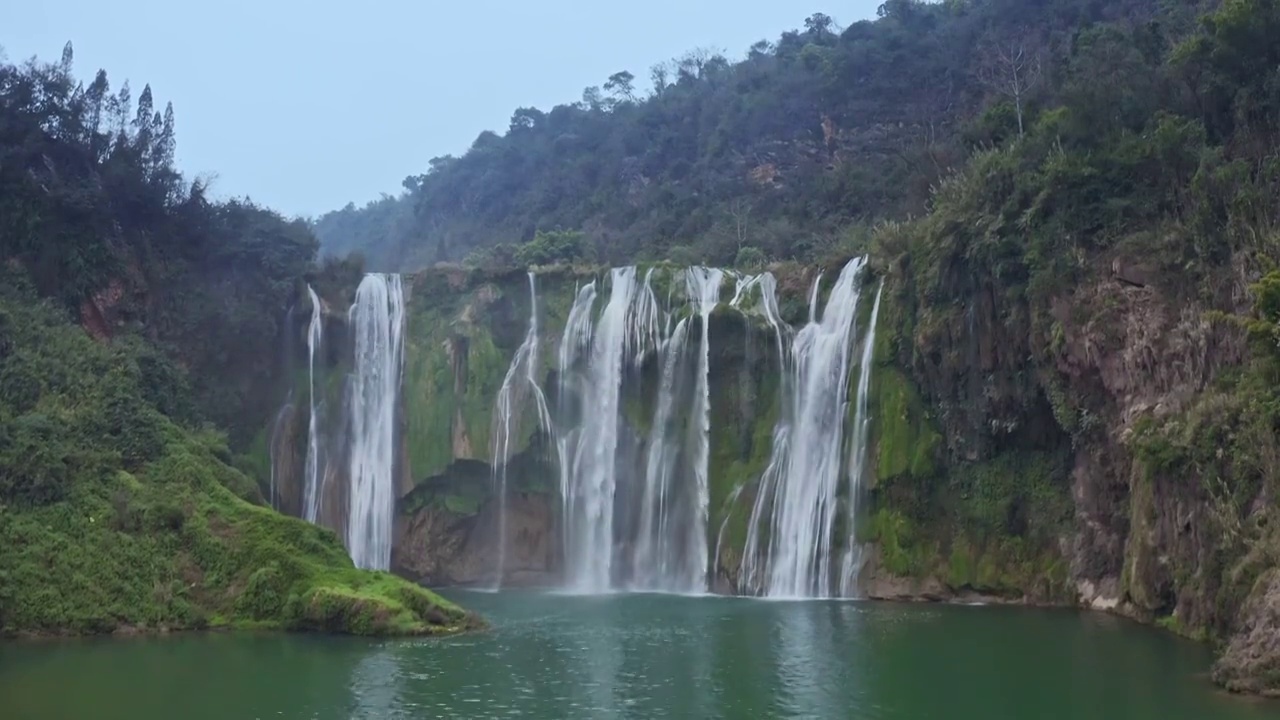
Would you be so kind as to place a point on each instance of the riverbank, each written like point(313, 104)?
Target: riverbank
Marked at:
point(456, 625)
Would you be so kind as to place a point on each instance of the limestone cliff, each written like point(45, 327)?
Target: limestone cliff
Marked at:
point(1100, 445)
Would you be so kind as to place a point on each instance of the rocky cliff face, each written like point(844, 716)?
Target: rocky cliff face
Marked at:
point(1251, 661)
point(1144, 539)
point(1120, 460)
point(438, 545)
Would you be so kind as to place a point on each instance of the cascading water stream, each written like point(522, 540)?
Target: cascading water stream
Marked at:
point(628, 328)
point(798, 494)
point(704, 290)
point(636, 487)
point(754, 561)
point(653, 535)
point(591, 476)
point(593, 473)
point(377, 321)
point(670, 551)
point(852, 561)
point(575, 342)
point(312, 490)
point(655, 552)
point(279, 447)
point(523, 371)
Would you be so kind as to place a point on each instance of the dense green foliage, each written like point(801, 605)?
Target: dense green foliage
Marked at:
point(113, 517)
point(119, 508)
point(1182, 188)
point(1122, 205)
point(92, 206)
point(780, 151)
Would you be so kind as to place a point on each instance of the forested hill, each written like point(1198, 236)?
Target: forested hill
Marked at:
point(782, 151)
point(94, 209)
point(141, 329)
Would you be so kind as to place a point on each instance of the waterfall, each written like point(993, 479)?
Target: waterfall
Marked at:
point(507, 412)
point(753, 560)
point(636, 520)
point(575, 342)
point(377, 321)
point(813, 299)
point(657, 554)
point(279, 448)
point(311, 482)
point(791, 535)
point(858, 454)
point(639, 519)
point(768, 304)
point(631, 432)
point(670, 550)
point(704, 290)
point(590, 479)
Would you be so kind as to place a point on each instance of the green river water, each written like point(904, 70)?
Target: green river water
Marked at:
point(557, 657)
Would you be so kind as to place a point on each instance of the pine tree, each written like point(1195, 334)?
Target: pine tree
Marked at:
point(65, 65)
point(121, 106)
point(165, 142)
point(144, 128)
point(95, 103)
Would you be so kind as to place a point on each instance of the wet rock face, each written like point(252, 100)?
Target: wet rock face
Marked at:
point(1099, 489)
point(439, 547)
point(877, 583)
point(1251, 662)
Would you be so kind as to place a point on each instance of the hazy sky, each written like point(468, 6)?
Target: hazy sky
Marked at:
point(305, 106)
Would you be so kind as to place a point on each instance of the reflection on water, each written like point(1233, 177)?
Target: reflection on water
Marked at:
point(801, 675)
point(596, 659)
point(373, 684)
point(645, 656)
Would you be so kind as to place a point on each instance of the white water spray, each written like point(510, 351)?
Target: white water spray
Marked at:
point(656, 548)
point(798, 494)
point(591, 478)
point(377, 321)
point(279, 447)
point(312, 490)
point(861, 434)
point(704, 290)
point(522, 374)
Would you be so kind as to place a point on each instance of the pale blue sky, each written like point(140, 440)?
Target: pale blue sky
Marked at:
point(304, 106)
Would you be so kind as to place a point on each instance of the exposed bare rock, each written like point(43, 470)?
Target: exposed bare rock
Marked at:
point(1132, 272)
point(877, 583)
point(1251, 662)
point(97, 313)
point(1104, 595)
point(439, 547)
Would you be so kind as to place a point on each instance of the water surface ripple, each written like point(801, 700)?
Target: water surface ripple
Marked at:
point(560, 657)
